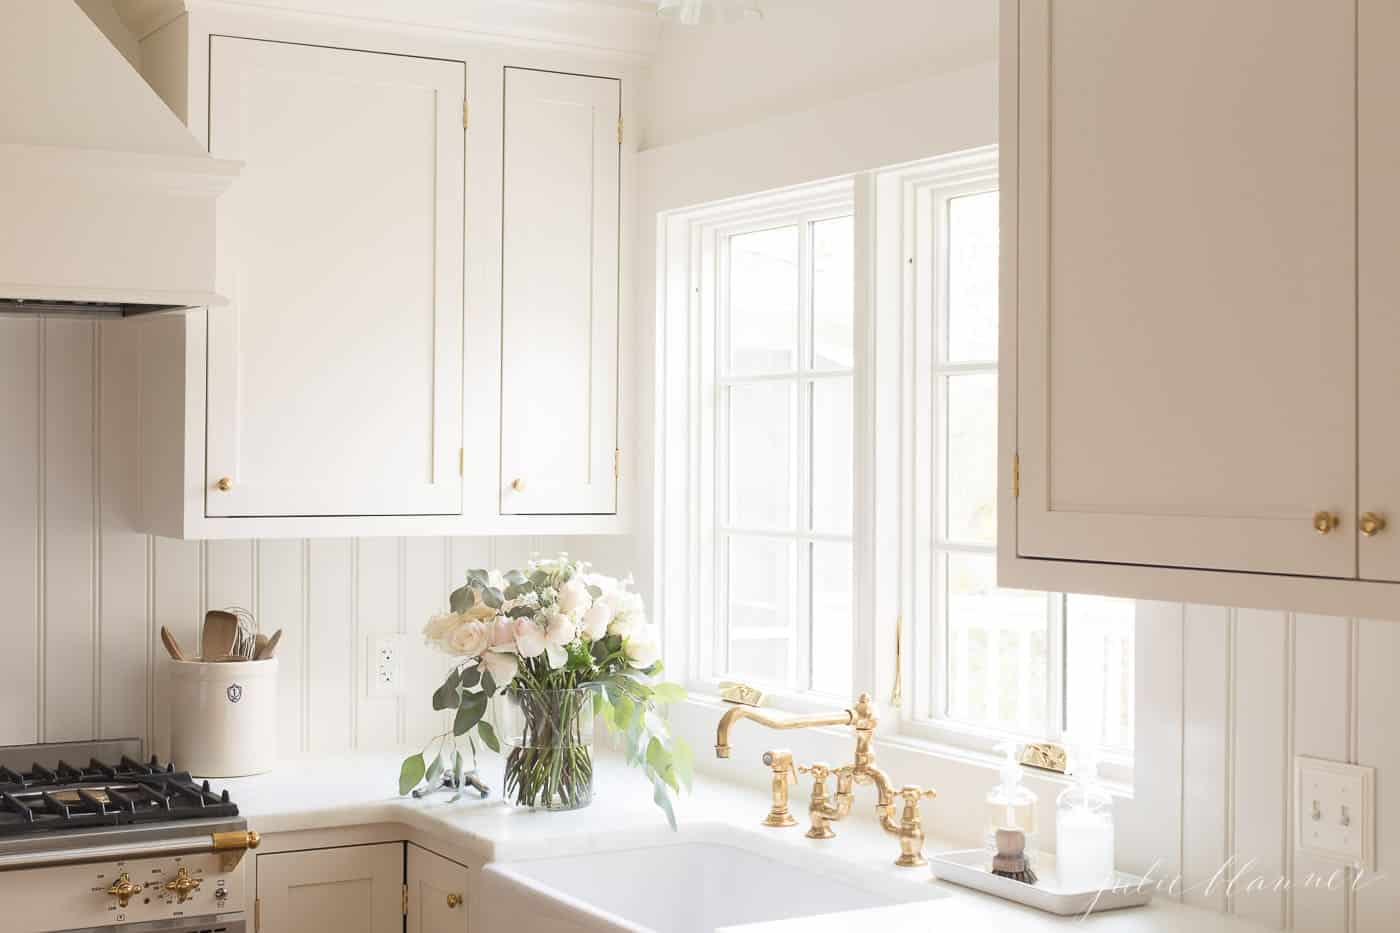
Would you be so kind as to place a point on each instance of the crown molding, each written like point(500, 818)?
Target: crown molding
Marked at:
point(629, 28)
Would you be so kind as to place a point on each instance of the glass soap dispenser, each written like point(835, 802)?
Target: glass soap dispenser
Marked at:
point(1084, 826)
point(1010, 804)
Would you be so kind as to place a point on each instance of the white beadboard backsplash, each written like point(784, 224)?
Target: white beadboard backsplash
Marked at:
point(1226, 697)
point(83, 595)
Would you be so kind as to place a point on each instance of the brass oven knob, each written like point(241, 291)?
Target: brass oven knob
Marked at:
point(224, 484)
point(453, 900)
point(1371, 524)
point(124, 889)
point(182, 886)
point(1324, 522)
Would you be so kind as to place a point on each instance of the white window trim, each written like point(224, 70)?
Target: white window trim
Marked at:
point(893, 354)
point(689, 461)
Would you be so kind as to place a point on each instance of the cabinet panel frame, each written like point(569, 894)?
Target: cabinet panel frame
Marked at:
point(1360, 598)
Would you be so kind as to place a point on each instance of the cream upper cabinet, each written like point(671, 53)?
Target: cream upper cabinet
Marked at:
point(560, 293)
point(351, 889)
point(437, 894)
point(1186, 281)
point(334, 382)
point(1378, 279)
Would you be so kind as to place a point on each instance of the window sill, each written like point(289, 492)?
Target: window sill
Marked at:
point(958, 768)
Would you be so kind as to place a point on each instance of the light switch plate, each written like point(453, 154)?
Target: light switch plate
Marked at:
point(1335, 811)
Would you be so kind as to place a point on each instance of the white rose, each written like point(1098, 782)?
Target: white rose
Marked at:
point(595, 621)
point(501, 665)
point(622, 626)
point(559, 630)
point(529, 638)
point(470, 639)
point(573, 596)
point(643, 649)
point(439, 627)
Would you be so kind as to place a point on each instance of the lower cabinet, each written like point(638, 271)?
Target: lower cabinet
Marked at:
point(437, 893)
point(384, 888)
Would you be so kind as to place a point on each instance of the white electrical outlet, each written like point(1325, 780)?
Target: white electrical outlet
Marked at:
point(386, 665)
point(1336, 806)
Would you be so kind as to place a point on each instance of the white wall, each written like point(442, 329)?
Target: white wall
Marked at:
point(803, 54)
point(83, 596)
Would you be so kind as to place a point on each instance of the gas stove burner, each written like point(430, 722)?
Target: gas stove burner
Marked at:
point(62, 796)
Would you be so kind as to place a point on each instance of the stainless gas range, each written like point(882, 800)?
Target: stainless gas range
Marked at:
point(94, 838)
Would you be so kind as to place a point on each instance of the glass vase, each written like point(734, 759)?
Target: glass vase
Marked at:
point(550, 737)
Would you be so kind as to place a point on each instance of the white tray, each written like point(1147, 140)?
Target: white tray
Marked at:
point(972, 868)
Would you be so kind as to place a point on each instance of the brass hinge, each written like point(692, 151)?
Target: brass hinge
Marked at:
point(617, 463)
point(405, 900)
point(461, 461)
point(619, 130)
point(465, 112)
point(1016, 476)
point(257, 914)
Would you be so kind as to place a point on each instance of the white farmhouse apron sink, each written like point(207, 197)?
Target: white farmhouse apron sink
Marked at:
point(702, 879)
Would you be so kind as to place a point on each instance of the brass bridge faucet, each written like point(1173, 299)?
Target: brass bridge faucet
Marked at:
point(826, 808)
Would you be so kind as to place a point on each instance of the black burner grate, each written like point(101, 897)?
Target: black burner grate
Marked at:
point(67, 797)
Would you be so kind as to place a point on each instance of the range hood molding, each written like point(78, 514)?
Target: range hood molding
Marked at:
point(109, 201)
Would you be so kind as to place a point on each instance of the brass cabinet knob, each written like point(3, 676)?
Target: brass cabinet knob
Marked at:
point(224, 484)
point(1325, 522)
point(124, 889)
point(182, 886)
point(518, 485)
point(1371, 524)
point(454, 900)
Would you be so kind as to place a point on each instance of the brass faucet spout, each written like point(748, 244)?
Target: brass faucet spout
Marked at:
point(733, 715)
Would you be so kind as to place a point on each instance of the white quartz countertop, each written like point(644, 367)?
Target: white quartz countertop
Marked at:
point(337, 791)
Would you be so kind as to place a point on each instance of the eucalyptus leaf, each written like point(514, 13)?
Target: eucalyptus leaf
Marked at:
point(488, 683)
point(488, 735)
point(663, 800)
point(446, 697)
point(595, 592)
point(492, 597)
point(515, 576)
point(469, 713)
point(461, 599)
point(683, 756)
point(411, 773)
point(456, 768)
point(622, 710)
point(668, 692)
point(521, 612)
point(471, 676)
point(539, 578)
point(434, 772)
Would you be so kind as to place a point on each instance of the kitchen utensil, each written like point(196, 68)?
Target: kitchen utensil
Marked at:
point(171, 645)
point(259, 646)
point(220, 635)
point(267, 650)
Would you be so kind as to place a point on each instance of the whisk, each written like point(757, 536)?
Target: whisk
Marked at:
point(245, 642)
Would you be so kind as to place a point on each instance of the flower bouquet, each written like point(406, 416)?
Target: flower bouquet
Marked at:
point(549, 649)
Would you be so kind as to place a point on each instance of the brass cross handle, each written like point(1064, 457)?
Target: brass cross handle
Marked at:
point(913, 793)
point(182, 886)
point(124, 889)
point(819, 771)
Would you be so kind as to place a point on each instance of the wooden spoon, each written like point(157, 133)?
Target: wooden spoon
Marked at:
point(220, 635)
point(171, 645)
point(266, 651)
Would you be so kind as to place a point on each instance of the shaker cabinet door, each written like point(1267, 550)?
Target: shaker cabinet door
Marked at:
point(560, 292)
point(352, 889)
point(335, 371)
point(1186, 301)
point(437, 893)
point(1378, 277)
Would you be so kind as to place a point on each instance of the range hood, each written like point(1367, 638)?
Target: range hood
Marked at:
point(106, 200)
